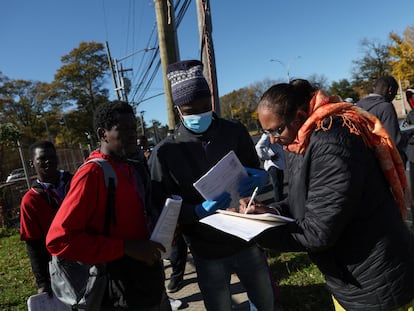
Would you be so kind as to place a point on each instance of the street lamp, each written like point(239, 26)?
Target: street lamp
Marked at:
point(136, 52)
point(122, 85)
point(287, 67)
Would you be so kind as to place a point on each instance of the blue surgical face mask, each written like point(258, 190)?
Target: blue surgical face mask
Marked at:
point(198, 123)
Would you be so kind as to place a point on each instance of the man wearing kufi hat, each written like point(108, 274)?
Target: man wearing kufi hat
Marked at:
point(197, 144)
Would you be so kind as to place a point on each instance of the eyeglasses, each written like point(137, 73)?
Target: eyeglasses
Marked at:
point(277, 132)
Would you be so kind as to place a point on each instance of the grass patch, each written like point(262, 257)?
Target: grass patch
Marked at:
point(16, 278)
point(300, 283)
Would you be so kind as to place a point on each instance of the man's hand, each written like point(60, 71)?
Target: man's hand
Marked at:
point(255, 207)
point(144, 250)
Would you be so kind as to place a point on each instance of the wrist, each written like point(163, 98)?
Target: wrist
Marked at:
point(200, 211)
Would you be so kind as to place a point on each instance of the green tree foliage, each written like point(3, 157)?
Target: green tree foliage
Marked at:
point(37, 108)
point(241, 104)
point(344, 88)
point(21, 104)
point(9, 134)
point(402, 56)
point(374, 64)
point(80, 81)
point(68, 136)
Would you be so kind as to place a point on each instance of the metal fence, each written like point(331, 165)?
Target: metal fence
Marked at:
point(12, 192)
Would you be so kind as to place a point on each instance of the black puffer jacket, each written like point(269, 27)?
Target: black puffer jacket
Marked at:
point(180, 160)
point(347, 221)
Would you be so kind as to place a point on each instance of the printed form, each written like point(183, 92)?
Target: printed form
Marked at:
point(225, 176)
point(167, 222)
point(244, 226)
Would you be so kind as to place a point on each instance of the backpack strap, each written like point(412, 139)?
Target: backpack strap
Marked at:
point(111, 181)
point(41, 191)
point(108, 170)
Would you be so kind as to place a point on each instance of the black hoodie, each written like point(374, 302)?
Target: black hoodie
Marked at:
point(385, 112)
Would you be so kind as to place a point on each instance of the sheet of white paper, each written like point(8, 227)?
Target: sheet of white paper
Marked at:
point(167, 222)
point(42, 302)
point(241, 227)
point(225, 176)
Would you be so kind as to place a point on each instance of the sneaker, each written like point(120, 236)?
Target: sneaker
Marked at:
point(174, 285)
point(175, 303)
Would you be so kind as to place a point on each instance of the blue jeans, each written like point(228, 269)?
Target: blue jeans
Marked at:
point(250, 265)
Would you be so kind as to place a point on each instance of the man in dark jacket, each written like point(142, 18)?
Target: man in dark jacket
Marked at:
point(380, 105)
point(408, 122)
point(200, 141)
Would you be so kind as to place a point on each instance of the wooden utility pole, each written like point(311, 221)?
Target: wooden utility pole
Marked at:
point(167, 38)
point(111, 68)
point(205, 30)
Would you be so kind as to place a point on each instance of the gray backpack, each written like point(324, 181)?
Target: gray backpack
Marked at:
point(81, 286)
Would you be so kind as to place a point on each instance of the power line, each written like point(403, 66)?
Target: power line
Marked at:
point(151, 71)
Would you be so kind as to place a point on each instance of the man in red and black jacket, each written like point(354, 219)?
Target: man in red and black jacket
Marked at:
point(77, 233)
point(39, 206)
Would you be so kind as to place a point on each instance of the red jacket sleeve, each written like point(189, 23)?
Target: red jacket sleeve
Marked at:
point(76, 231)
point(36, 215)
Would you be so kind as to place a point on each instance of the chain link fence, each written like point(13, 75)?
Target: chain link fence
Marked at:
point(11, 192)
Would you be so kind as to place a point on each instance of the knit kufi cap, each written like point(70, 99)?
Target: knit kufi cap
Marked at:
point(187, 82)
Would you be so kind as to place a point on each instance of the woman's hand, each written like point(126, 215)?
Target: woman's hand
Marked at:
point(146, 250)
point(255, 207)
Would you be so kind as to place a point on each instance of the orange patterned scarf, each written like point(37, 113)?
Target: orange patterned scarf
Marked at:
point(372, 132)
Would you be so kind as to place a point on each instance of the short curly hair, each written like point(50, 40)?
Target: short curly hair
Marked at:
point(107, 114)
point(42, 144)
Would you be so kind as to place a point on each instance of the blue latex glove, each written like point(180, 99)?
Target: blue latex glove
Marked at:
point(257, 178)
point(209, 207)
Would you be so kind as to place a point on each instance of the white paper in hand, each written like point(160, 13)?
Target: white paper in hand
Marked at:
point(225, 176)
point(167, 222)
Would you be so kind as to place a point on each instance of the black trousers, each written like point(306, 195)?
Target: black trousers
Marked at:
point(178, 259)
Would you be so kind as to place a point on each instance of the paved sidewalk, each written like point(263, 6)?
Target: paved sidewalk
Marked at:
point(190, 294)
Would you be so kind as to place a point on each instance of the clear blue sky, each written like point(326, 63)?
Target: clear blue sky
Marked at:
point(314, 37)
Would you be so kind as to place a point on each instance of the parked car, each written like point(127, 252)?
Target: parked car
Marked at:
point(15, 174)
